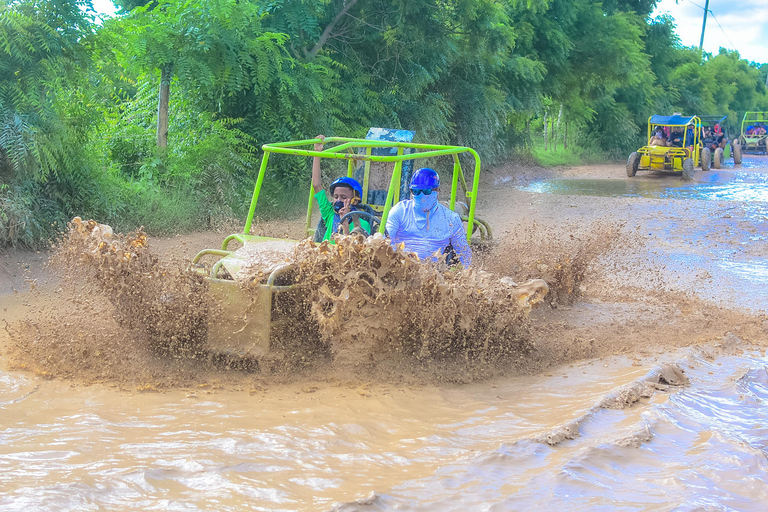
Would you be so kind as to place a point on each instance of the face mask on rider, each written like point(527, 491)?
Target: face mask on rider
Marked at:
point(425, 202)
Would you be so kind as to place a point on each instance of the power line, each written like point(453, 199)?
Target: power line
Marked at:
point(721, 30)
point(697, 5)
point(707, 10)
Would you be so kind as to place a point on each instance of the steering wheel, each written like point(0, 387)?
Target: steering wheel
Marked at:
point(372, 219)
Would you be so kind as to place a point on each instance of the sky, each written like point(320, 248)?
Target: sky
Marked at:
point(104, 7)
point(743, 25)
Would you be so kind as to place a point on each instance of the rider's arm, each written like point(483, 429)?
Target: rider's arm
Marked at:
point(317, 178)
point(459, 242)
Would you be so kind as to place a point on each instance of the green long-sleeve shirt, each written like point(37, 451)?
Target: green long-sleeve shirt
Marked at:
point(329, 216)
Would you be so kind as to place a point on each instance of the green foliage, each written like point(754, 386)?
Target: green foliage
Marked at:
point(78, 102)
point(127, 5)
point(216, 46)
point(561, 156)
point(19, 216)
point(130, 148)
point(45, 117)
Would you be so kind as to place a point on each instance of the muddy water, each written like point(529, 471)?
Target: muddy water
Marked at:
point(717, 185)
point(456, 448)
point(574, 437)
point(709, 235)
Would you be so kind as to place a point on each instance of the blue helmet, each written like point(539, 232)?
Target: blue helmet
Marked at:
point(425, 178)
point(347, 182)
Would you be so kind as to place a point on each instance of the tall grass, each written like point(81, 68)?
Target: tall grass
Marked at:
point(556, 155)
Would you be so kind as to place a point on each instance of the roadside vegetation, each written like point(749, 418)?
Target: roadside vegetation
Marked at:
point(155, 117)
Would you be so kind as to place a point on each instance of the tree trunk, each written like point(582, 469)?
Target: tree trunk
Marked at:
point(554, 135)
point(328, 30)
point(556, 129)
point(565, 136)
point(545, 130)
point(162, 105)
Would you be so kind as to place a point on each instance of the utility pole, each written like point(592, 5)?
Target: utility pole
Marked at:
point(704, 25)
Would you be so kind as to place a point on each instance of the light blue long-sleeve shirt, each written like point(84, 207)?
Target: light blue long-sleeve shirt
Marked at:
point(428, 232)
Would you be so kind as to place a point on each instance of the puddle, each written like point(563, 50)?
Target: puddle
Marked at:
point(710, 186)
point(751, 271)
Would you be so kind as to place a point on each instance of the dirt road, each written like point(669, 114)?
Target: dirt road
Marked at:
point(646, 386)
point(661, 263)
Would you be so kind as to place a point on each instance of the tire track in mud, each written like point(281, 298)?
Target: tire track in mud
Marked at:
point(661, 378)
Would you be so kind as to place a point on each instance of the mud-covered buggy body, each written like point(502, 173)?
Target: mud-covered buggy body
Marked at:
point(754, 133)
point(682, 158)
point(247, 301)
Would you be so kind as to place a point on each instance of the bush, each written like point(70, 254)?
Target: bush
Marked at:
point(129, 148)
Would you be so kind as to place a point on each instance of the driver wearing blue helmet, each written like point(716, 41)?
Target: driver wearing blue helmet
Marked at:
point(346, 193)
point(425, 226)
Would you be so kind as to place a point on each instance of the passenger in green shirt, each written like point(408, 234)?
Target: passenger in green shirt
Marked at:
point(346, 193)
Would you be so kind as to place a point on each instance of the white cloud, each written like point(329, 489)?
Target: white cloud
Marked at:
point(743, 25)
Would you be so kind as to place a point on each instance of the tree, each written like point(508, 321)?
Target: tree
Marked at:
point(216, 45)
point(39, 52)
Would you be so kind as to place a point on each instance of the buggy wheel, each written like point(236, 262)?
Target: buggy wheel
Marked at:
point(717, 162)
point(737, 153)
point(632, 163)
point(688, 169)
point(706, 159)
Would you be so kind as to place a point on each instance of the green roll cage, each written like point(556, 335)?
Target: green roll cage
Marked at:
point(345, 150)
point(752, 117)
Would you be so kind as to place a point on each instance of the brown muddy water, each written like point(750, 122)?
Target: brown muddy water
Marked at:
point(647, 391)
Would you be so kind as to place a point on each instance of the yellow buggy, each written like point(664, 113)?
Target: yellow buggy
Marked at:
point(679, 149)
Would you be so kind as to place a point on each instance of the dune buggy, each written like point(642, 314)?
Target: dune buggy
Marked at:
point(716, 138)
point(242, 329)
point(678, 149)
point(754, 132)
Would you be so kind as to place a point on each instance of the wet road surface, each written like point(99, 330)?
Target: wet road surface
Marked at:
point(557, 440)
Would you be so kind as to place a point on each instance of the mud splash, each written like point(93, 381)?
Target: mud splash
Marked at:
point(373, 303)
point(369, 310)
point(561, 255)
point(161, 302)
point(358, 310)
point(119, 314)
